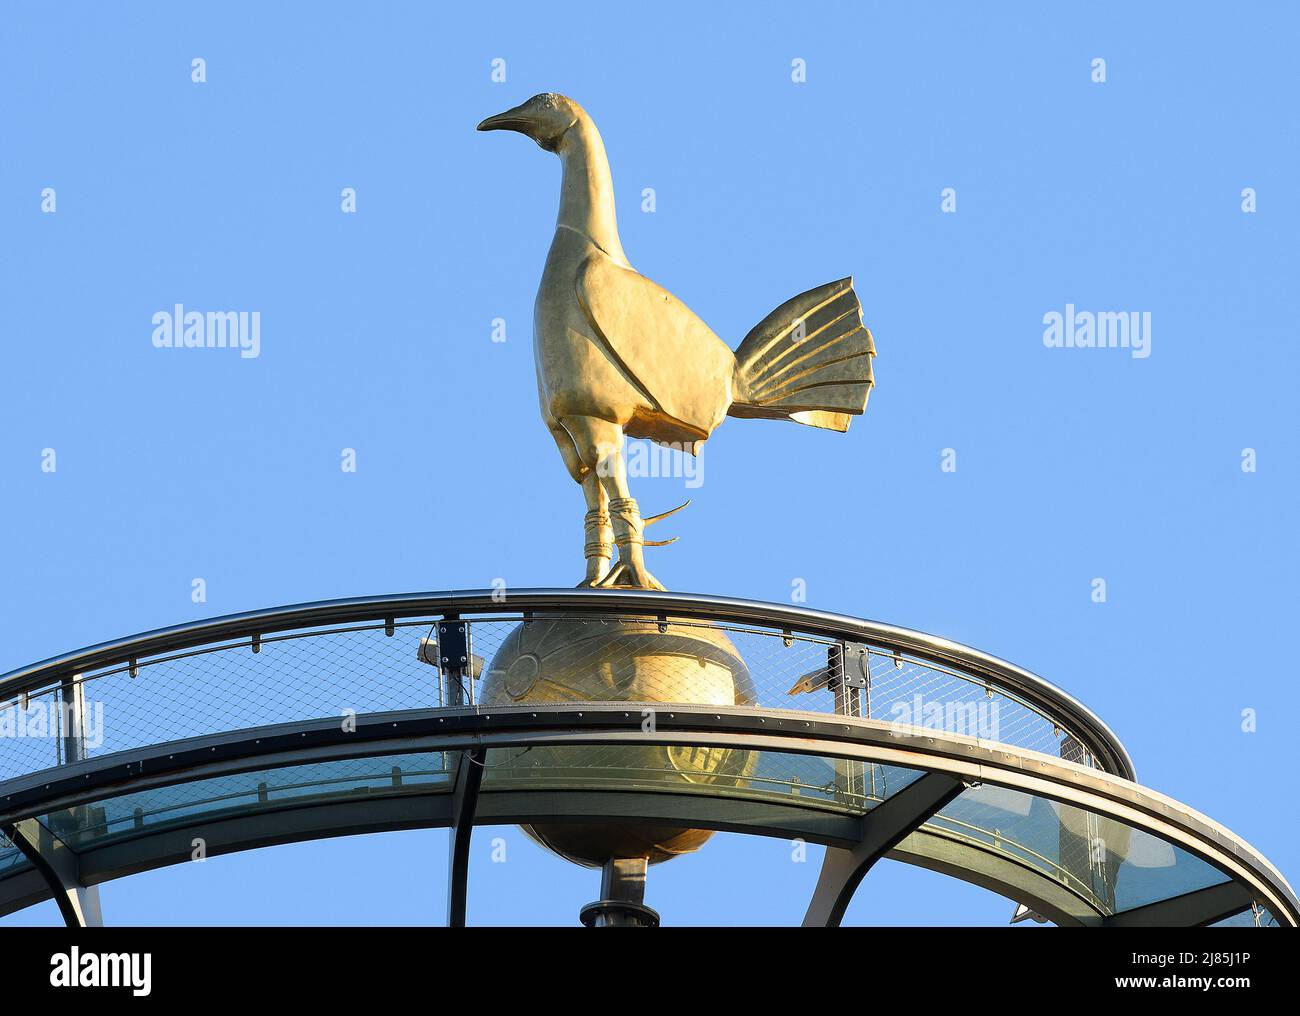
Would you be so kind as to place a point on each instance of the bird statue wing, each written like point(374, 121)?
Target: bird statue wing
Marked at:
point(684, 370)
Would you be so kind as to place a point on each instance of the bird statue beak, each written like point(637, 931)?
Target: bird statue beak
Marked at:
point(511, 120)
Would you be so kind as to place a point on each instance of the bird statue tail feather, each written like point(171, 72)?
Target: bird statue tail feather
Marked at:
point(808, 361)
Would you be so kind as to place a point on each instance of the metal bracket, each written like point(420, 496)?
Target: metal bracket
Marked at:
point(454, 660)
point(838, 675)
point(453, 644)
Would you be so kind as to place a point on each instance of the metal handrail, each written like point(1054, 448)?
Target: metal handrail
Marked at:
point(1099, 739)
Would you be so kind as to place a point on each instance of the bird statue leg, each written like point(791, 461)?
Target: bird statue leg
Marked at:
point(598, 547)
point(599, 444)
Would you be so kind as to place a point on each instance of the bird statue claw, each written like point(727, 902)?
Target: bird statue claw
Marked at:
point(663, 515)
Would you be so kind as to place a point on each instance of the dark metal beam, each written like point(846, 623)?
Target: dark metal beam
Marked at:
point(58, 866)
point(883, 827)
point(469, 780)
point(1191, 910)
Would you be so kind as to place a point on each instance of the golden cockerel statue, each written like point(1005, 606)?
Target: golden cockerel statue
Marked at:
point(619, 356)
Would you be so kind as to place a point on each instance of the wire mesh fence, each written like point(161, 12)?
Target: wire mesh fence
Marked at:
point(352, 670)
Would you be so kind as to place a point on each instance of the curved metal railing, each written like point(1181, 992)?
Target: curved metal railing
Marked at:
point(362, 655)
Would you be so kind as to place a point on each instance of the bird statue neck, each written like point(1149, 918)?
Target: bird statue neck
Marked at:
point(587, 190)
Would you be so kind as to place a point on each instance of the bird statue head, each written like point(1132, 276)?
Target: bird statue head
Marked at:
point(545, 118)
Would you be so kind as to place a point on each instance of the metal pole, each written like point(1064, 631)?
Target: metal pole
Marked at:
point(72, 700)
point(622, 897)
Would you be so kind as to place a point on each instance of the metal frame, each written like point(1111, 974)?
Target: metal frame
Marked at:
point(883, 828)
point(999, 873)
point(60, 868)
point(1099, 738)
point(464, 802)
point(49, 856)
point(1194, 909)
point(963, 759)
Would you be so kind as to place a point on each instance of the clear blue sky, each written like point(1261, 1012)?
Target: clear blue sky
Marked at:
point(1073, 464)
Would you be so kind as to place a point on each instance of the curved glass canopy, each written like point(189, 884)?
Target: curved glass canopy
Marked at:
point(833, 728)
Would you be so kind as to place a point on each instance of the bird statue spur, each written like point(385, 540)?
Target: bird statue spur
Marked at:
point(619, 356)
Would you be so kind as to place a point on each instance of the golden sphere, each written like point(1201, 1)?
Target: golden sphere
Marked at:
point(550, 659)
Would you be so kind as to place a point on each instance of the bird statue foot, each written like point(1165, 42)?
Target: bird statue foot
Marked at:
point(594, 577)
point(629, 569)
point(628, 575)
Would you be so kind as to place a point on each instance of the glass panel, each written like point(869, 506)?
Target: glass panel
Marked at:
point(729, 772)
point(148, 810)
point(1110, 864)
point(1256, 917)
point(11, 858)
